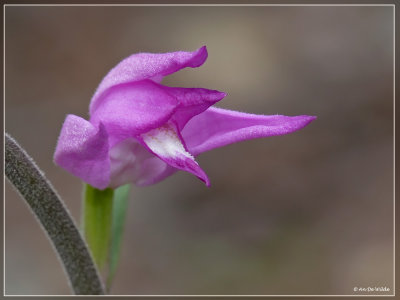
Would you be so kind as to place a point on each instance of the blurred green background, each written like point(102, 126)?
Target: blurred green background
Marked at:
point(306, 213)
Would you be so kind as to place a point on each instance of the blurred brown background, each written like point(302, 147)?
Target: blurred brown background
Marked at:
point(306, 213)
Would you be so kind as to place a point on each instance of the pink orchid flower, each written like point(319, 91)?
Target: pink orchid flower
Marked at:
point(141, 131)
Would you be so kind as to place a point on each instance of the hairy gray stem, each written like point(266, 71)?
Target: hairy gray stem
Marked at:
point(47, 206)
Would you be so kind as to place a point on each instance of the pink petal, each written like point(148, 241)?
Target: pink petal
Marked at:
point(130, 109)
point(192, 101)
point(165, 143)
point(82, 149)
point(218, 127)
point(148, 66)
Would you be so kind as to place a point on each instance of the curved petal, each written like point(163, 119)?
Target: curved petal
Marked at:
point(148, 66)
point(192, 101)
point(165, 143)
point(218, 127)
point(82, 149)
point(133, 108)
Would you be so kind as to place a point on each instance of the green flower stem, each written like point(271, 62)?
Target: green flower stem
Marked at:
point(97, 221)
point(47, 206)
point(103, 225)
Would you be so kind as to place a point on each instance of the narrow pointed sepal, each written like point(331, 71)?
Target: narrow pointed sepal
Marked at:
point(218, 127)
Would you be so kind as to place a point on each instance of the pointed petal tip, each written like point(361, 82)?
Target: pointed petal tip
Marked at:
point(303, 121)
point(222, 95)
point(309, 119)
point(193, 167)
point(202, 48)
point(205, 179)
point(208, 183)
point(217, 96)
point(200, 56)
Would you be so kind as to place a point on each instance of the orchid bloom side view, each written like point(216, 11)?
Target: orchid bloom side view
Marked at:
point(141, 131)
